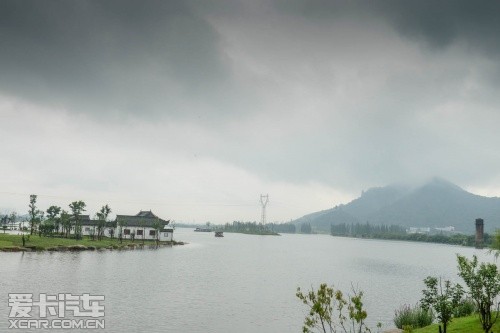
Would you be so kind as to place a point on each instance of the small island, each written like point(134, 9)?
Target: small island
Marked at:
point(61, 230)
point(250, 228)
point(14, 243)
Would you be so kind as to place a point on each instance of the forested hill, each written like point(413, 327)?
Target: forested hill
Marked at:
point(437, 203)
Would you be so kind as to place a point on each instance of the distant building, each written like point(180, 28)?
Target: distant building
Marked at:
point(446, 229)
point(418, 230)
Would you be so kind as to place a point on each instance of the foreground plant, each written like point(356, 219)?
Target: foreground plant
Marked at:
point(330, 311)
point(412, 316)
point(483, 281)
point(442, 300)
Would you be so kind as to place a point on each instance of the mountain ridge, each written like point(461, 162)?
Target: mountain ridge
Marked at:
point(436, 203)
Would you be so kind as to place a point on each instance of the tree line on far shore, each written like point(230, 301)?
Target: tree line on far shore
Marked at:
point(396, 232)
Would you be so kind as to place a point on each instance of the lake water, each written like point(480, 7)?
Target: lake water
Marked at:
point(239, 283)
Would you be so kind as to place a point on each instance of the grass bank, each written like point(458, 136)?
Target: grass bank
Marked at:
point(468, 324)
point(11, 243)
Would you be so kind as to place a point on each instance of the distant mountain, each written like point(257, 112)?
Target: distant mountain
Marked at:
point(437, 203)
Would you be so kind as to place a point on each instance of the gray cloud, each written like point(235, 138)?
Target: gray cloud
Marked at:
point(438, 23)
point(348, 94)
point(445, 22)
point(103, 56)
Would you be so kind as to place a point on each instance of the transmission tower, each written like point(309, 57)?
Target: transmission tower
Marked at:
point(264, 199)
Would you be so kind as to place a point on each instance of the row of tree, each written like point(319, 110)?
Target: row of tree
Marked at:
point(396, 232)
point(8, 220)
point(56, 220)
point(366, 230)
point(254, 227)
point(246, 227)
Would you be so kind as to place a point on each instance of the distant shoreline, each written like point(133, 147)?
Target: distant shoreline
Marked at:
point(459, 239)
point(263, 233)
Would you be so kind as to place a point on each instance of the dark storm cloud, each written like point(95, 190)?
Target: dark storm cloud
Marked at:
point(438, 23)
point(347, 93)
point(441, 23)
point(149, 56)
point(165, 57)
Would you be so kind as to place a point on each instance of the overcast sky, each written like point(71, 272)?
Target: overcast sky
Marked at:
point(194, 108)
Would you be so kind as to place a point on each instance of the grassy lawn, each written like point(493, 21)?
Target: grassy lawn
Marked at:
point(469, 324)
point(43, 243)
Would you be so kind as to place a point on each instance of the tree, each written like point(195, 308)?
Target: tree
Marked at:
point(143, 230)
point(483, 281)
point(121, 224)
point(102, 217)
point(65, 220)
point(330, 311)
point(77, 208)
point(495, 245)
point(305, 228)
point(46, 228)
point(443, 301)
point(12, 219)
point(4, 221)
point(34, 213)
point(53, 216)
point(157, 226)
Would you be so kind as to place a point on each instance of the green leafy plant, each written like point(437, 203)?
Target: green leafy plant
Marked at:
point(443, 300)
point(330, 311)
point(414, 316)
point(407, 329)
point(465, 308)
point(483, 281)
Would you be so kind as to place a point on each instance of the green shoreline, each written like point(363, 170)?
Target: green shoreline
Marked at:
point(460, 240)
point(14, 243)
point(259, 233)
point(469, 324)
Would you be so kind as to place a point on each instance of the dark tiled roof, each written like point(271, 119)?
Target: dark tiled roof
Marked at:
point(95, 223)
point(146, 213)
point(142, 219)
point(86, 221)
point(84, 217)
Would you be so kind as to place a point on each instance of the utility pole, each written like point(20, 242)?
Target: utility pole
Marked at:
point(264, 199)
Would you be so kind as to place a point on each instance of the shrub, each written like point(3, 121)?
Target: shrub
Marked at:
point(465, 308)
point(407, 329)
point(331, 311)
point(483, 281)
point(443, 299)
point(414, 316)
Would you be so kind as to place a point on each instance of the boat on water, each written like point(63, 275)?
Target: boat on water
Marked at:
point(203, 230)
point(219, 234)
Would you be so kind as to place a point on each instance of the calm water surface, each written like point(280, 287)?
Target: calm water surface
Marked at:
point(239, 283)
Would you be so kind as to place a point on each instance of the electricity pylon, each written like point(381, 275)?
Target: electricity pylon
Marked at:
point(264, 199)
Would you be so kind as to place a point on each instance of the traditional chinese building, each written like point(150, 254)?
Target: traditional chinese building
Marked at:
point(143, 225)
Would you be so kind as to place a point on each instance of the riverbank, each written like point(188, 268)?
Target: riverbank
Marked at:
point(14, 243)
